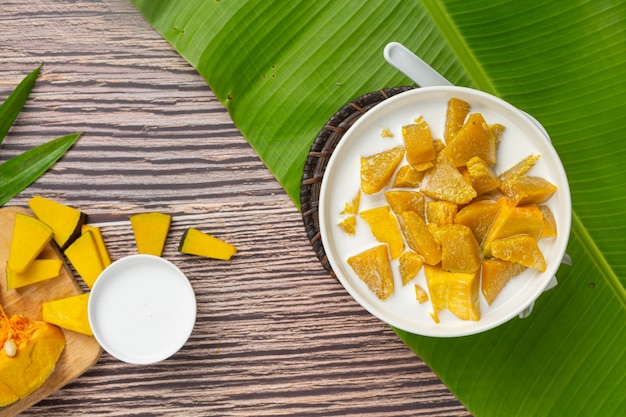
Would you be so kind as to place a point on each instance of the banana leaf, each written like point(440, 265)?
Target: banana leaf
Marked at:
point(282, 69)
point(12, 106)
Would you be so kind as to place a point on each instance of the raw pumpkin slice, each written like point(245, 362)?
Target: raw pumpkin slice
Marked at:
point(459, 250)
point(419, 238)
point(69, 313)
point(372, 267)
point(385, 229)
point(29, 351)
point(410, 264)
point(404, 200)
point(522, 249)
point(102, 247)
point(445, 182)
point(39, 270)
point(195, 242)
point(418, 140)
point(457, 292)
point(496, 273)
point(150, 230)
point(474, 139)
point(29, 238)
point(377, 169)
point(65, 221)
point(84, 255)
point(456, 114)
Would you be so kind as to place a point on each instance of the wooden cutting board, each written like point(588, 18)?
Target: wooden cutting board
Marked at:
point(80, 352)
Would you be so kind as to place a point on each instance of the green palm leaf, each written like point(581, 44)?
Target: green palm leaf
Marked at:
point(12, 106)
point(283, 70)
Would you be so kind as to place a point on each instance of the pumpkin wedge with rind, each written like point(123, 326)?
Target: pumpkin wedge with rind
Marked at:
point(496, 273)
point(377, 169)
point(39, 346)
point(150, 231)
point(65, 221)
point(474, 139)
point(195, 242)
point(420, 150)
point(69, 313)
point(29, 238)
point(84, 255)
point(522, 249)
point(39, 270)
point(457, 292)
point(384, 227)
point(373, 268)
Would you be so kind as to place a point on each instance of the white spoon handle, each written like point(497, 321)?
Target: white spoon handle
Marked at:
point(412, 66)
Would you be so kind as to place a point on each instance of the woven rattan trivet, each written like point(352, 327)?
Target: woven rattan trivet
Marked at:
point(320, 153)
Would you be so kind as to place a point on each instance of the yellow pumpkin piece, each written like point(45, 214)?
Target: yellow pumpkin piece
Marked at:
point(519, 169)
point(385, 229)
point(38, 346)
point(195, 242)
point(84, 255)
point(407, 176)
point(39, 270)
point(456, 114)
point(410, 264)
point(69, 313)
point(419, 238)
point(439, 145)
point(404, 200)
point(348, 224)
point(522, 249)
point(150, 230)
point(513, 220)
point(29, 238)
point(377, 169)
point(441, 212)
point(455, 291)
point(420, 294)
point(529, 190)
point(445, 182)
point(474, 139)
point(65, 221)
point(482, 176)
point(478, 216)
point(352, 207)
point(102, 247)
point(373, 268)
point(549, 222)
point(459, 250)
point(496, 273)
point(418, 140)
point(497, 130)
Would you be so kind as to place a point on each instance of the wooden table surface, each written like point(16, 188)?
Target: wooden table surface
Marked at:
point(275, 334)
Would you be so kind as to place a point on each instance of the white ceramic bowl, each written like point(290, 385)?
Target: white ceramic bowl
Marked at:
point(522, 137)
point(142, 309)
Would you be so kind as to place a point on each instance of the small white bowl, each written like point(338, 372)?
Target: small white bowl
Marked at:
point(522, 136)
point(142, 309)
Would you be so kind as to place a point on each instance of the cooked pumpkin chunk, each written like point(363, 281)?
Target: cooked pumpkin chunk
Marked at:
point(526, 189)
point(372, 267)
point(401, 201)
point(407, 177)
point(457, 292)
point(478, 216)
point(513, 220)
point(474, 139)
point(497, 130)
point(377, 169)
point(456, 113)
point(410, 265)
point(69, 313)
point(385, 229)
point(459, 250)
point(522, 249)
point(39, 270)
point(445, 182)
point(102, 247)
point(420, 294)
point(521, 168)
point(348, 224)
point(150, 230)
point(29, 238)
point(352, 207)
point(84, 255)
point(195, 242)
point(440, 212)
point(482, 176)
point(65, 221)
point(418, 140)
point(496, 273)
point(419, 238)
point(549, 222)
